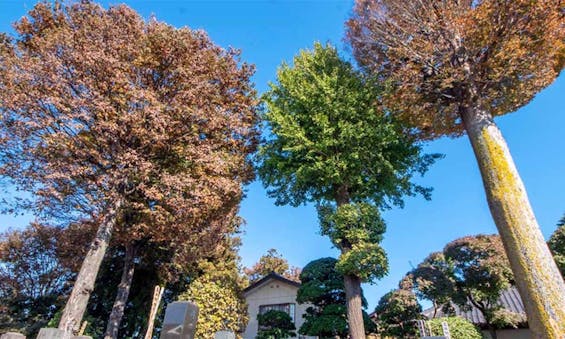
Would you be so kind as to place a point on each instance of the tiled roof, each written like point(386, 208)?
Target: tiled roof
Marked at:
point(509, 300)
point(270, 276)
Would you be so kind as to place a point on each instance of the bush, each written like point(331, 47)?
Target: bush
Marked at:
point(458, 327)
point(275, 325)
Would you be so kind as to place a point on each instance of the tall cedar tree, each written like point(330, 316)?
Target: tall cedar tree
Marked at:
point(271, 262)
point(105, 116)
point(453, 67)
point(332, 146)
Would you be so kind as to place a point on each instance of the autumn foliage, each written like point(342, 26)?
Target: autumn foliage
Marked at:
point(139, 126)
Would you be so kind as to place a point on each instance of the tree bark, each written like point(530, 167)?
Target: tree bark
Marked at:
point(352, 283)
point(352, 286)
point(115, 318)
point(540, 284)
point(84, 284)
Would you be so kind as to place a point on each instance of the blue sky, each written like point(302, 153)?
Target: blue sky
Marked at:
point(269, 32)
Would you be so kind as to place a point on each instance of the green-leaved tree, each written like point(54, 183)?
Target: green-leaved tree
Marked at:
point(331, 144)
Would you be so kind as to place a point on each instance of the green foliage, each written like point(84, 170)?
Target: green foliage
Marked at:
point(556, 244)
point(433, 280)
point(459, 328)
point(397, 312)
point(275, 325)
point(221, 307)
point(327, 132)
point(360, 226)
point(323, 288)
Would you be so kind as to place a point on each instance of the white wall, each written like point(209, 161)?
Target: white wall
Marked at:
point(270, 293)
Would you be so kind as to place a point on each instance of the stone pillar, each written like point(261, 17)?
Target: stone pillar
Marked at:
point(180, 320)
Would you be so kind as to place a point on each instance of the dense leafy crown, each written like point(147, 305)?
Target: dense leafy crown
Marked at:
point(441, 56)
point(327, 132)
point(99, 104)
point(397, 312)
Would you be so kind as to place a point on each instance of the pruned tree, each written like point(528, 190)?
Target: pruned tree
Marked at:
point(322, 288)
point(455, 65)
point(397, 313)
point(332, 145)
point(134, 125)
point(275, 324)
point(556, 244)
point(433, 280)
point(271, 262)
point(481, 272)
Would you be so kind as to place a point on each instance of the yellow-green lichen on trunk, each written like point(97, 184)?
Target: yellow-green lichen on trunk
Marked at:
point(538, 279)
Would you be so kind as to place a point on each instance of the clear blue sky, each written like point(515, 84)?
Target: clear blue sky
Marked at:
point(269, 32)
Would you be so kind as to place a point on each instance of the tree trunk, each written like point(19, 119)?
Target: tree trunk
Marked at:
point(117, 313)
point(540, 284)
point(84, 284)
point(352, 286)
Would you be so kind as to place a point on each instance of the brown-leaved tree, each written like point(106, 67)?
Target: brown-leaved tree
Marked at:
point(135, 125)
point(454, 66)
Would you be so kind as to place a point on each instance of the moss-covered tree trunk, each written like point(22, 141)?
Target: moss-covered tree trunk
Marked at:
point(540, 284)
point(115, 318)
point(84, 284)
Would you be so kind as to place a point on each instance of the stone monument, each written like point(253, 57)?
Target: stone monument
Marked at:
point(180, 320)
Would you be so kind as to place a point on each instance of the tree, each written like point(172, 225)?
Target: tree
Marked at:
point(275, 325)
point(481, 272)
point(397, 312)
point(271, 262)
point(322, 288)
point(433, 280)
point(452, 67)
point(217, 289)
point(331, 145)
point(556, 244)
point(133, 125)
point(35, 270)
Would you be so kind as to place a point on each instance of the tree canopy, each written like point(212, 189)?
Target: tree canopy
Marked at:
point(397, 312)
point(452, 66)
point(271, 262)
point(143, 128)
point(331, 144)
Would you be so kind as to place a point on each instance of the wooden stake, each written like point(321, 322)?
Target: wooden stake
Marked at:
point(157, 295)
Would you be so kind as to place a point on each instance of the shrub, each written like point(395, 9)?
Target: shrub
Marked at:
point(458, 327)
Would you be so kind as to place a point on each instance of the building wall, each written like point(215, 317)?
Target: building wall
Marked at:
point(270, 293)
point(519, 333)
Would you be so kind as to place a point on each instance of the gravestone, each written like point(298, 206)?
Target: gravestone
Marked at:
point(12, 335)
point(53, 333)
point(180, 321)
point(224, 335)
